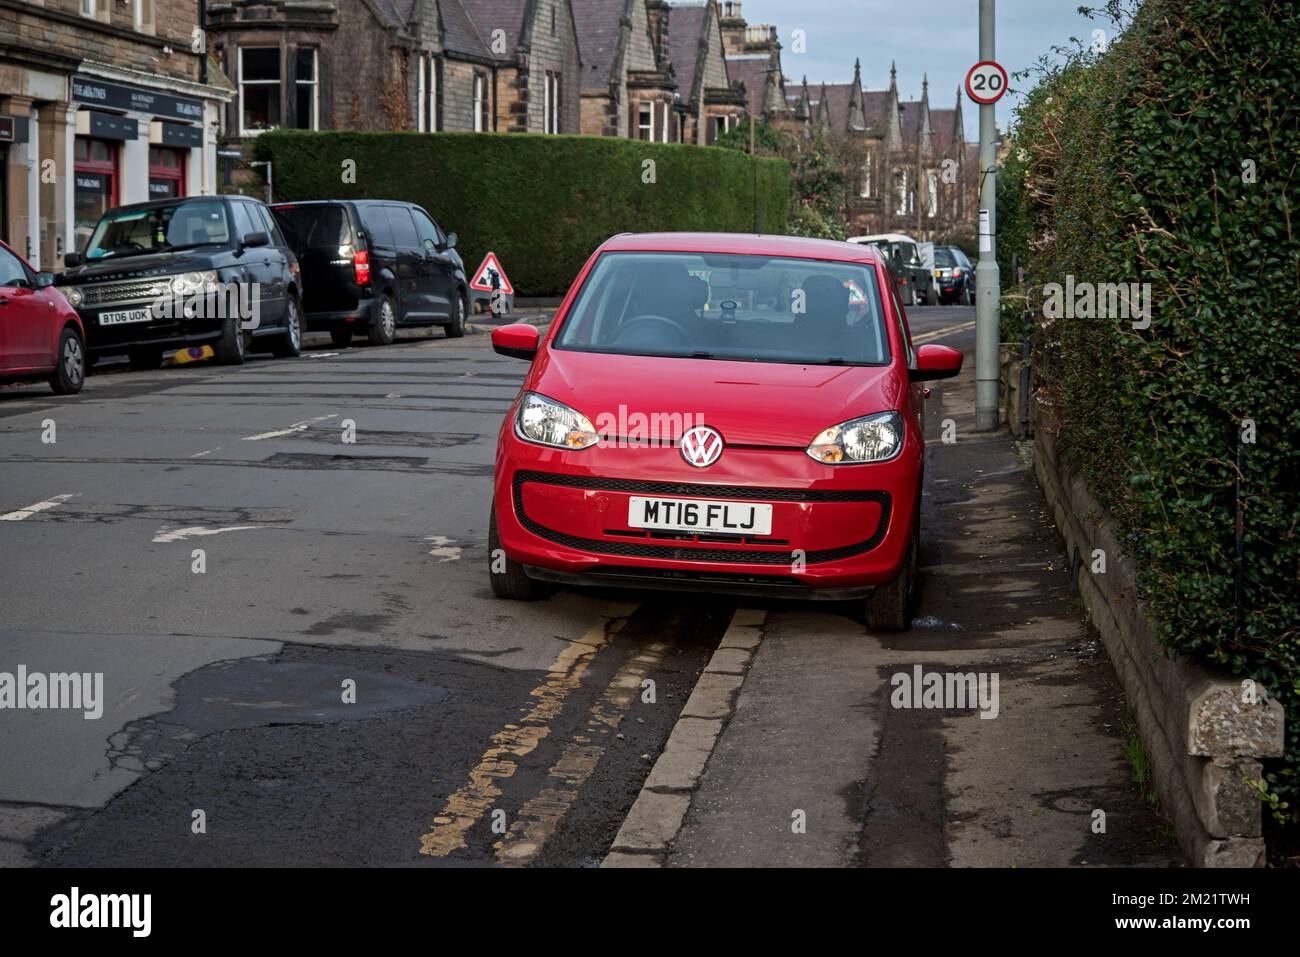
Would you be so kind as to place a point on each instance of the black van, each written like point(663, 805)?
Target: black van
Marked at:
point(375, 265)
point(180, 272)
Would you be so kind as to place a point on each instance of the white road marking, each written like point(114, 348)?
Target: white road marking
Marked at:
point(296, 427)
point(443, 549)
point(31, 510)
point(939, 333)
point(319, 355)
point(194, 531)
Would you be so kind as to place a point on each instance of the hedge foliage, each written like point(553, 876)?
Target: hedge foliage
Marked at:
point(1174, 158)
point(542, 203)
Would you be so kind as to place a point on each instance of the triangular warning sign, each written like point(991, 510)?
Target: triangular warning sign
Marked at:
point(482, 280)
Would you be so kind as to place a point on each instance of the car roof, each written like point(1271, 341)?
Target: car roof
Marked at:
point(795, 247)
point(181, 200)
point(884, 237)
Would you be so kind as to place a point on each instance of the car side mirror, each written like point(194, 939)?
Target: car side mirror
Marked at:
point(252, 240)
point(518, 340)
point(44, 280)
point(935, 362)
point(71, 260)
point(452, 240)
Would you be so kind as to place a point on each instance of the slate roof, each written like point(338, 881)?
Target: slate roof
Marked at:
point(488, 16)
point(396, 13)
point(685, 29)
point(752, 71)
point(460, 33)
point(600, 30)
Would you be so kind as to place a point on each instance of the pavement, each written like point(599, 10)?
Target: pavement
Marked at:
point(279, 571)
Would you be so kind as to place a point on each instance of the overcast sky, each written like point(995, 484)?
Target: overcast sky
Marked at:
point(938, 37)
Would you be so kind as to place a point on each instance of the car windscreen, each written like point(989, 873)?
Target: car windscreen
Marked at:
point(153, 229)
point(316, 226)
point(729, 306)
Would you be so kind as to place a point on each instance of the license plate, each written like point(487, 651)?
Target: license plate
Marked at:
point(123, 315)
point(694, 515)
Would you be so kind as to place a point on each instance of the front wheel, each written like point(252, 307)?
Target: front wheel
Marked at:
point(456, 328)
point(233, 344)
point(289, 345)
point(889, 607)
point(70, 372)
point(508, 578)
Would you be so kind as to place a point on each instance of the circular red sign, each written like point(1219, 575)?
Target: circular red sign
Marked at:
point(986, 82)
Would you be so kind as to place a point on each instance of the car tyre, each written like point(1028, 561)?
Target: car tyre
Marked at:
point(931, 297)
point(232, 347)
point(913, 298)
point(342, 338)
point(144, 358)
point(384, 328)
point(970, 294)
point(70, 370)
point(889, 607)
point(289, 345)
point(511, 582)
point(456, 328)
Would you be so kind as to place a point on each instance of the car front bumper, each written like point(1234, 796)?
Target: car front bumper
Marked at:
point(564, 516)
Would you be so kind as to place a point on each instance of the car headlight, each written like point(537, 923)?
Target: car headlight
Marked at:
point(872, 438)
point(548, 422)
point(73, 295)
point(194, 282)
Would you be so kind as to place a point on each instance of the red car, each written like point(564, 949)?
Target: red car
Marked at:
point(40, 334)
point(719, 412)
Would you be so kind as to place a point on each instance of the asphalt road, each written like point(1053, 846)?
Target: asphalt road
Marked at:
point(335, 684)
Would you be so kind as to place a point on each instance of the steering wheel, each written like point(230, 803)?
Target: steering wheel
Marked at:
point(683, 337)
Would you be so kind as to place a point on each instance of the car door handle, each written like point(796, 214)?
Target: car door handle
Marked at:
point(3, 301)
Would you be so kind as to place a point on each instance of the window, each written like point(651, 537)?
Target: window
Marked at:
point(480, 103)
point(88, 8)
point(166, 173)
point(842, 321)
point(259, 89)
point(269, 225)
point(932, 194)
point(900, 191)
point(375, 223)
point(551, 104)
point(399, 220)
point(12, 273)
point(721, 124)
point(139, 14)
point(95, 184)
point(646, 121)
point(867, 170)
point(426, 95)
point(243, 221)
point(428, 230)
point(664, 124)
point(304, 88)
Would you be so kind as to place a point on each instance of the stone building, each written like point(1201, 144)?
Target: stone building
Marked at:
point(911, 161)
point(690, 36)
point(421, 65)
point(626, 89)
point(101, 103)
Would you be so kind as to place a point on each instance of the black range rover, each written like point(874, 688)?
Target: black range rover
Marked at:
point(180, 272)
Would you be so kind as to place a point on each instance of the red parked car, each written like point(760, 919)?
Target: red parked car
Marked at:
point(40, 334)
point(719, 412)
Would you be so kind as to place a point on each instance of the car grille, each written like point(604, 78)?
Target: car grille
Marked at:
point(637, 549)
point(113, 292)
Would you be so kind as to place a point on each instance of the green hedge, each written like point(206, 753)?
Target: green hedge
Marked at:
point(542, 203)
point(1135, 171)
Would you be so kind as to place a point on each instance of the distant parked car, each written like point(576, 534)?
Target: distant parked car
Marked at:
point(41, 336)
point(915, 279)
point(375, 265)
point(218, 257)
point(954, 275)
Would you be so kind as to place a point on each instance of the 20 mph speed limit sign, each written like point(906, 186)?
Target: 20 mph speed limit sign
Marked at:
point(986, 82)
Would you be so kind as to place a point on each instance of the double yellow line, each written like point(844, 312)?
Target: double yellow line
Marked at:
point(940, 333)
